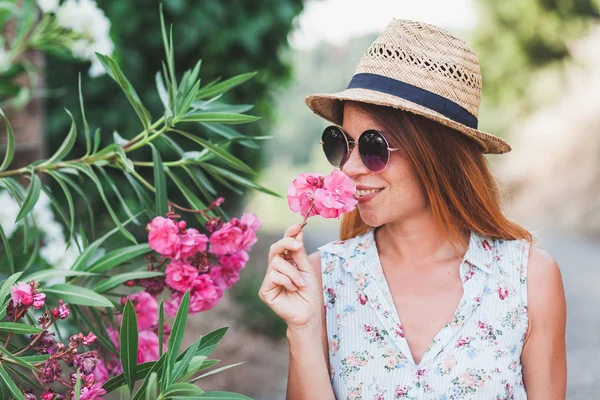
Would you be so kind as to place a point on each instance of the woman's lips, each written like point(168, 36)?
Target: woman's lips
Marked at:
point(365, 195)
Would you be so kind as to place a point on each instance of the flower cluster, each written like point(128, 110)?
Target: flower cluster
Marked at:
point(25, 296)
point(89, 23)
point(205, 265)
point(328, 196)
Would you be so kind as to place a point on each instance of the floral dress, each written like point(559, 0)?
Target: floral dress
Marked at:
point(475, 356)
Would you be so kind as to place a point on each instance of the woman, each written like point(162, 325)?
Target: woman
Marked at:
point(432, 293)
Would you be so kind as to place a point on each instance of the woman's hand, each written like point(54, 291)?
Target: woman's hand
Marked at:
point(291, 287)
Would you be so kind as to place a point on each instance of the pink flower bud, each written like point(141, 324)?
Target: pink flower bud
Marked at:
point(218, 201)
point(38, 300)
point(89, 339)
point(63, 310)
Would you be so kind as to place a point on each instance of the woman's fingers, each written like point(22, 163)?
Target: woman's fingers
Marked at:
point(280, 279)
point(287, 243)
point(284, 267)
point(293, 230)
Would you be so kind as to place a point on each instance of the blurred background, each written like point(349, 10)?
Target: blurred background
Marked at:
point(541, 84)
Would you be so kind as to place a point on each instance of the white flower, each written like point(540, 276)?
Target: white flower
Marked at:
point(47, 6)
point(84, 18)
point(8, 213)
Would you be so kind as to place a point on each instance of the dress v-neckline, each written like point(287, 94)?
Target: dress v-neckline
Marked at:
point(381, 299)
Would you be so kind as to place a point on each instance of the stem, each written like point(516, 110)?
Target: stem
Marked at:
point(307, 214)
point(30, 345)
point(151, 164)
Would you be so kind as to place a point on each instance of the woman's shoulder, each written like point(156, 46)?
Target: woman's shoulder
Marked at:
point(341, 247)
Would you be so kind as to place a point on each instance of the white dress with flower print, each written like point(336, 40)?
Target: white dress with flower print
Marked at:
point(475, 356)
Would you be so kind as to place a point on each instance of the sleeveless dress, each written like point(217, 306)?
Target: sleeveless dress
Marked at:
point(475, 356)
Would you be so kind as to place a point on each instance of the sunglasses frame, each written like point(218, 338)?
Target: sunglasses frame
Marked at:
point(351, 144)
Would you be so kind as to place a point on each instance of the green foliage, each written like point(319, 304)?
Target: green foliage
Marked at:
point(236, 36)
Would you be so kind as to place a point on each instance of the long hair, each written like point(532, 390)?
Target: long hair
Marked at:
point(461, 191)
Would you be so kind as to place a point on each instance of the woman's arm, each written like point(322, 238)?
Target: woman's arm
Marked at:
point(308, 376)
point(544, 355)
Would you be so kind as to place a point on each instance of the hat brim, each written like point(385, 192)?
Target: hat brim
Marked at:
point(324, 105)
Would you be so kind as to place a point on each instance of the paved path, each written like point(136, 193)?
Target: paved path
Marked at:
point(579, 260)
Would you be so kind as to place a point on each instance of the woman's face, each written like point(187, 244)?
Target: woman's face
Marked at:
point(400, 196)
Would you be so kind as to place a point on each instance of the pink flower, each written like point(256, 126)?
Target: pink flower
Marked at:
point(301, 193)
point(180, 275)
point(502, 293)
point(226, 240)
point(147, 346)
point(224, 277)
point(95, 392)
point(101, 372)
point(205, 294)
point(251, 221)
point(163, 236)
point(89, 339)
point(38, 300)
point(114, 336)
point(250, 224)
point(21, 294)
point(337, 195)
point(146, 309)
point(235, 261)
point(192, 242)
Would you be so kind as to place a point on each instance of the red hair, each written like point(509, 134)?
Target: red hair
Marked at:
point(461, 191)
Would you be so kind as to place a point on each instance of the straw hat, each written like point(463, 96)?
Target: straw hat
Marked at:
point(419, 68)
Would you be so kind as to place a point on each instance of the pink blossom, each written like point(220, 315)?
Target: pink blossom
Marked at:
point(337, 195)
point(251, 221)
point(250, 225)
point(235, 261)
point(146, 309)
point(163, 236)
point(114, 336)
point(89, 339)
point(47, 396)
point(502, 293)
point(226, 240)
point(301, 193)
point(172, 305)
point(205, 294)
point(180, 275)
point(224, 277)
point(101, 372)
point(21, 294)
point(192, 242)
point(95, 392)
point(38, 300)
point(147, 346)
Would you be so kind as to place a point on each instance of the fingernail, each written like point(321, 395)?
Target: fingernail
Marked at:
point(297, 244)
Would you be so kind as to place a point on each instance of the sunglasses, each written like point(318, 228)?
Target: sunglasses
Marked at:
point(373, 148)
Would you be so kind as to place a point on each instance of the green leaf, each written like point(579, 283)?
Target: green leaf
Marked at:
point(129, 344)
point(21, 329)
point(218, 117)
point(8, 251)
point(214, 371)
point(78, 295)
point(46, 274)
point(11, 384)
point(237, 179)
point(116, 280)
point(229, 133)
point(96, 141)
point(67, 145)
point(5, 289)
point(77, 388)
point(118, 257)
point(222, 107)
point(86, 127)
point(219, 152)
point(161, 327)
point(16, 360)
point(140, 192)
point(69, 198)
point(116, 191)
point(182, 366)
point(182, 389)
point(151, 391)
point(82, 196)
point(157, 367)
point(33, 195)
point(176, 336)
point(35, 359)
point(114, 71)
point(90, 173)
point(224, 86)
point(24, 377)
point(160, 184)
point(81, 261)
point(203, 184)
point(143, 370)
point(163, 94)
point(10, 144)
point(192, 199)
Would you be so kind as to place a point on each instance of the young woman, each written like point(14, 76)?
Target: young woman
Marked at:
point(431, 293)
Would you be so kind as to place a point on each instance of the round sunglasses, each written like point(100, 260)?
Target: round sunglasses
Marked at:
point(373, 148)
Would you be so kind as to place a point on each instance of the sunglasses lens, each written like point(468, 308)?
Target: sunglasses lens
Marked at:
point(373, 150)
point(334, 145)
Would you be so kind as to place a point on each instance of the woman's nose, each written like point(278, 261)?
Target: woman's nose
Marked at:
point(354, 165)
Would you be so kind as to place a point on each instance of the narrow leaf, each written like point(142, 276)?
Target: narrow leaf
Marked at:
point(46, 274)
point(18, 328)
point(222, 396)
point(78, 295)
point(116, 280)
point(67, 145)
point(192, 199)
point(151, 391)
point(11, 384)
point(118, 257)
point(70, 203)
point(159, 183)
point(33, 195)
point(8, 251)
point(10, 144)
point(161, 327)
point(86, 127)
point(176, 336)
point(16, 360)
point(218, 117)
point(237, 179)
point(5, 289)
point(214, 371)
point(224, 86)
point(129, 344)
point(182, 389)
